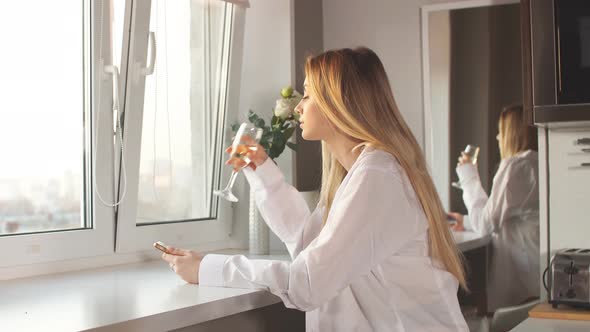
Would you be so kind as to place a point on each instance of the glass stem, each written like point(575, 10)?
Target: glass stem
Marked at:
point(232, 179)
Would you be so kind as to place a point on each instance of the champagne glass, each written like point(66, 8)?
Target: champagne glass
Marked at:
point(471, 151)
point(246, 140)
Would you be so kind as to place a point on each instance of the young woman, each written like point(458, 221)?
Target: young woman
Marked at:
point(376, 254)
point(510, 213)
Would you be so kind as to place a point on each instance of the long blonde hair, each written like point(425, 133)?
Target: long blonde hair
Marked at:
point(515, 134)
point(352, 90)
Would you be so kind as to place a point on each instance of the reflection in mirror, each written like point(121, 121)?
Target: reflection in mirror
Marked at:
point(475, 70)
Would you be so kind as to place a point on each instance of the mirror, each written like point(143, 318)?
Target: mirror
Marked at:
point(472, 69)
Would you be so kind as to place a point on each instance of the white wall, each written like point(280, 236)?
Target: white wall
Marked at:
point(267, 66)
point(439, 26)
point(392, 29)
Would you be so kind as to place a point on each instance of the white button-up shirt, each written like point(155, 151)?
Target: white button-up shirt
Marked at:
point(511, 215)
point(367, 269)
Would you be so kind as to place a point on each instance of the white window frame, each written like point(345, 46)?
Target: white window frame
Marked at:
point(205, 234)
point(21, 249)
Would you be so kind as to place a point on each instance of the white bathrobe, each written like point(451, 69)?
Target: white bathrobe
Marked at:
point(511, 215)
point(367, 269)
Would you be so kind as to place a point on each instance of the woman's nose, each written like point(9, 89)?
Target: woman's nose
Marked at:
point(299, 109)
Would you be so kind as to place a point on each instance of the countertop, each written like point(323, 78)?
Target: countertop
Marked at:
point(134, 297)
point(552, 325)
point(470, 240)
point(144, 296)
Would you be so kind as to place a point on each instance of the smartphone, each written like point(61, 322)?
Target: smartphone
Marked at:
point(161, 246)
point(452, 221)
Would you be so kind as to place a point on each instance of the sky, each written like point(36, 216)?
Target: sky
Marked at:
point(40, 87)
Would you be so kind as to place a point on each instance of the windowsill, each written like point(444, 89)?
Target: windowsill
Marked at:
point(143, 297)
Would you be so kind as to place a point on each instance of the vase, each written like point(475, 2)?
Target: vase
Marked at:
point(258, 230)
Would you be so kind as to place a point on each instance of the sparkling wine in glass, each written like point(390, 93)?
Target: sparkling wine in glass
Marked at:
point(246, 140)
point(471, 151)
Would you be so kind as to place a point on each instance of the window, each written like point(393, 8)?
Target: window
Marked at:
point(42, 187)
point(71, 179)
point(181, 103)
point(176, 112)
point(48, 131)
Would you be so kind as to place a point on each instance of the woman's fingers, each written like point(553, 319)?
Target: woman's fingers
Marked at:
point(177, 251)
point(236, 163)
point(248, 140)
point(458, 228)
point(169, 258)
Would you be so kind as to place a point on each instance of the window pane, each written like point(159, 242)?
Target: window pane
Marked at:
point(181, 104)
point(41, 116)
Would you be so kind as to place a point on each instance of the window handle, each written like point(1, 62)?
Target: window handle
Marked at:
point(114, 70)
point(152, 44)
point(583, 141)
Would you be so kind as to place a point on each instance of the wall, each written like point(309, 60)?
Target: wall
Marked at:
point(392, 29)
point(439, 32)
point(470, 85)
point(274, 58)
point(505, 72)
point(267, 66)
point(308, 41)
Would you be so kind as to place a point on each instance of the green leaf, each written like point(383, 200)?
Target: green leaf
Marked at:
point(265, 144)
point(287, 123)
point(293, 146)
point(259, 123)
point(275, 120)
point(252, 116)
point(266, 135)
point(276, 150)
point(235, 127)
point(278, 138)
point(288, 133)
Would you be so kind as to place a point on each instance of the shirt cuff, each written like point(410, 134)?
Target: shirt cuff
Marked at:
point(265, 176)
point(211, 270)
point(467, 223)
point(466, 172)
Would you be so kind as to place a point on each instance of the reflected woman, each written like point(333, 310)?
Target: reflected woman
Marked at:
point(510, 214)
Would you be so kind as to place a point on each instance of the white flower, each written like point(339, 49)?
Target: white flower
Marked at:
point(283, 108)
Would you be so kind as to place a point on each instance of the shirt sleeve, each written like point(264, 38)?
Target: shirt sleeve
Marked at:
point(281, 205)
point(373, 217)
point(486, 214)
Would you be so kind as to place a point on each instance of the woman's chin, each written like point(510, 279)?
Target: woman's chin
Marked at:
point(306, 136)
point(310, 135)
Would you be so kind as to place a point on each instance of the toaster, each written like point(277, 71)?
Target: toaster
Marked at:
point(570, 278)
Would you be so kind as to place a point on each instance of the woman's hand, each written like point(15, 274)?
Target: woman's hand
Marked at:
point(458, 226)
point(185, 263)
point(464, 159)
point(256, 156)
